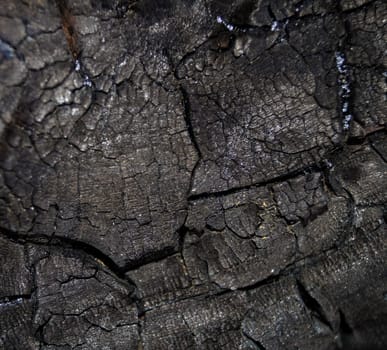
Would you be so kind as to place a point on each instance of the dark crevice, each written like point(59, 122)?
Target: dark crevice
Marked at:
point(141, 310)
point(187, 118)
point(377, 139)
point(39, 332)
point(347, 340)
point(266, 281)
point(355, 141)
point(331, 183)
point(140, 319)
point(68, 243)
point(356, 9)
point(381, 155)
point(286, 177)
point(140, 329)
point(359, 140)
point(351, 212)
point(291, 269)
point(192, 179)
point(312, 304)
point(256, 343)
point(271, 13)
point(345, 328)
point(151, 257)
point(191, 133)
point(65, 242)
point(182, 232)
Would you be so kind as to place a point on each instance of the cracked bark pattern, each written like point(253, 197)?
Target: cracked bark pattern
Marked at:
point(193, 174)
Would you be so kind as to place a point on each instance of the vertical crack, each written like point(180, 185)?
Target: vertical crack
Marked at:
point(191, 133)
point(345, 328)
point(141, 320)
point(187, 118)
point(346, 334)
point(182, 232)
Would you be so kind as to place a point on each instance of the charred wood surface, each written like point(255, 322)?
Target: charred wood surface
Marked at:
point(193, 174)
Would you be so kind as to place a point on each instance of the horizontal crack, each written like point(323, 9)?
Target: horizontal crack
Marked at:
point(65, 242)
point(85, 248)
point(289, 176)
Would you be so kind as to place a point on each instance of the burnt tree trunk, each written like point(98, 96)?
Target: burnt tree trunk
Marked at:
point(193, 174)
